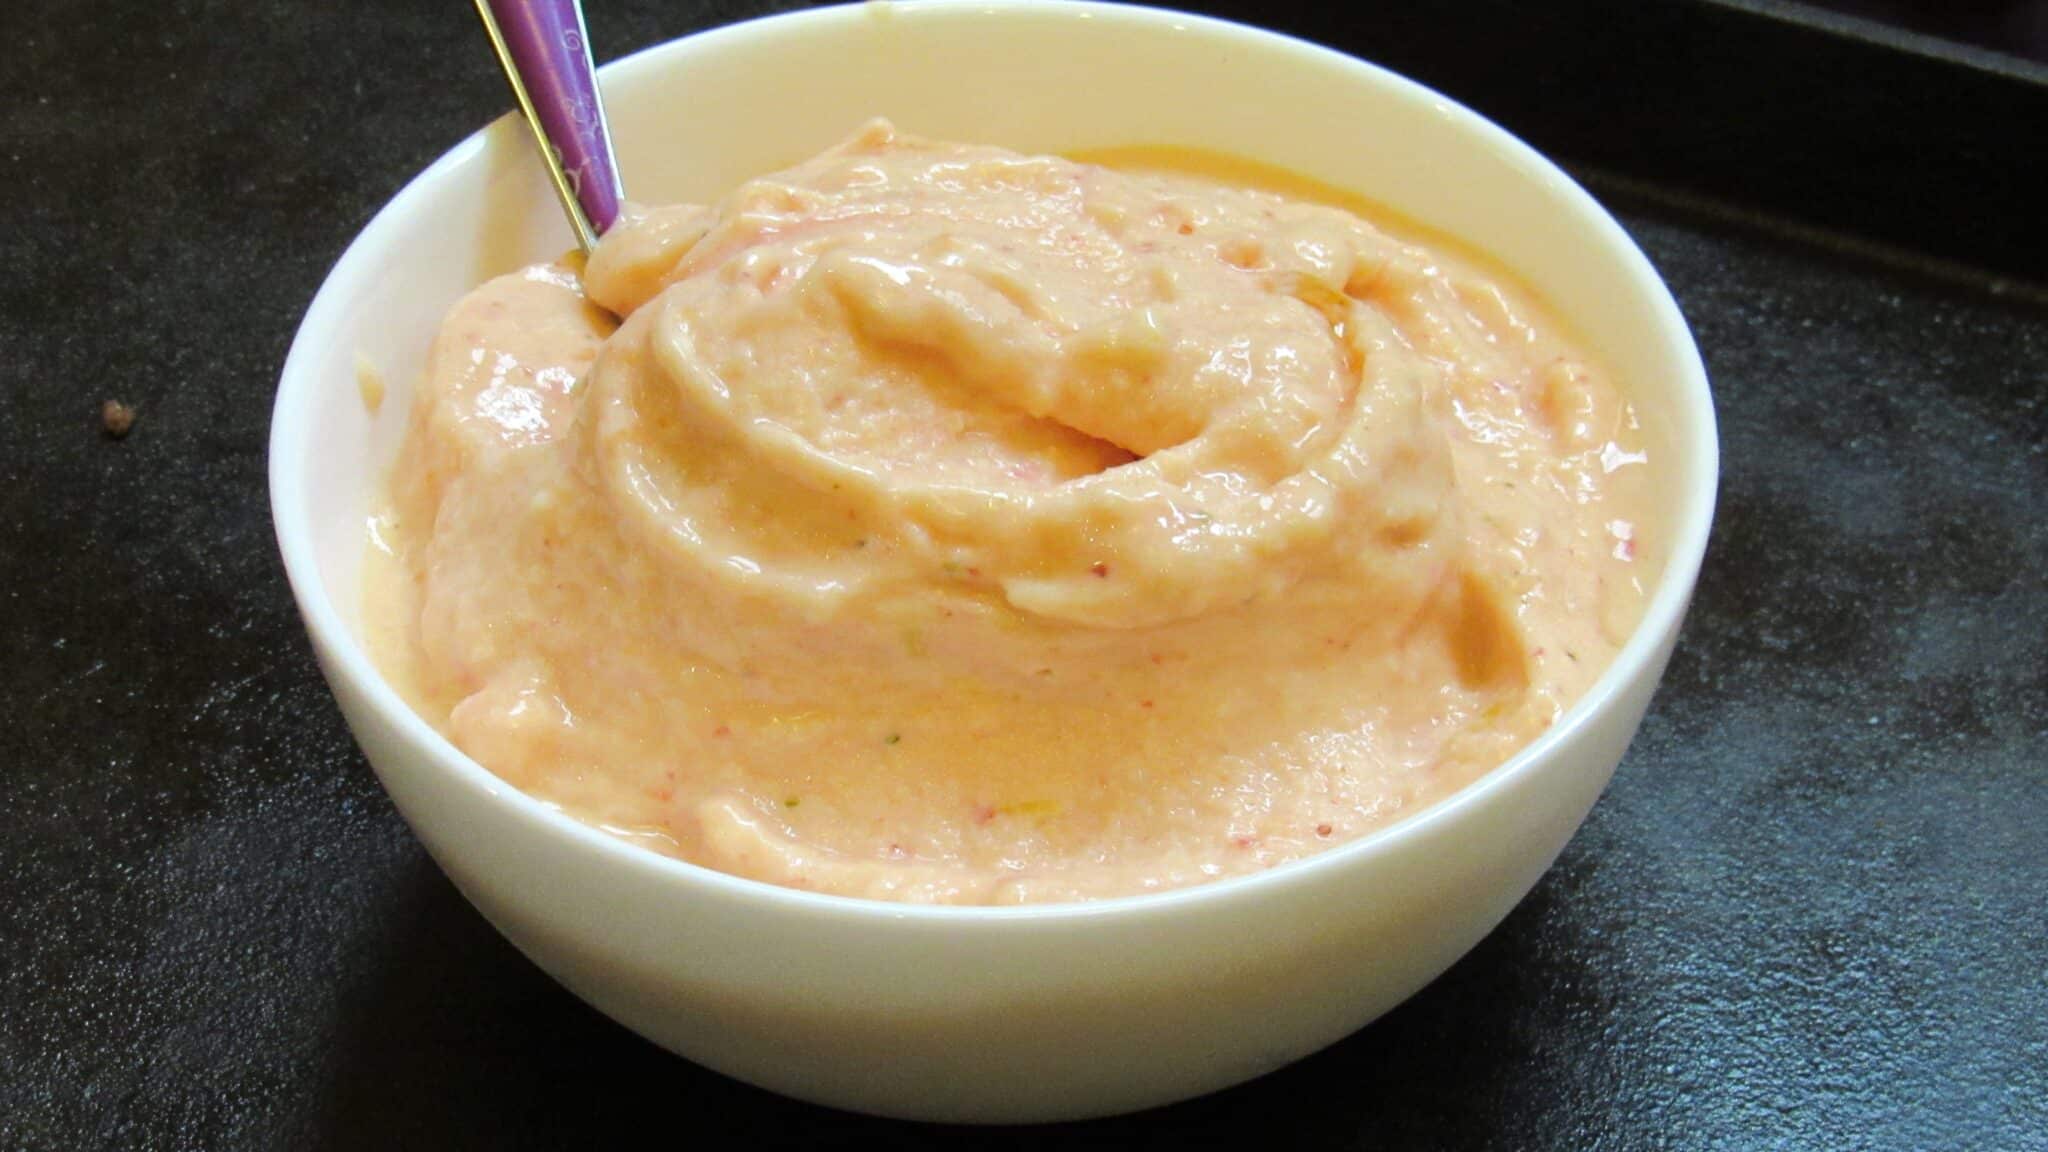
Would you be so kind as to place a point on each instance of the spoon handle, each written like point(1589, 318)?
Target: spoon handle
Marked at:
point(545, 52)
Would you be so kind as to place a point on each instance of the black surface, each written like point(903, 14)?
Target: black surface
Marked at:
point(2013, 27)
point(1814, 117)
point(1809, 914)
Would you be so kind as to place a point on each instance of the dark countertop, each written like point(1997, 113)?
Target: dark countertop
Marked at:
point(1809, 913)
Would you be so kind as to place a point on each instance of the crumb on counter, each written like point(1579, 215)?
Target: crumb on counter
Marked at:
point(116, 418)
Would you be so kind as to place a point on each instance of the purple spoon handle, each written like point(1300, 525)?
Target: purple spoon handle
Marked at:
point(545, 52)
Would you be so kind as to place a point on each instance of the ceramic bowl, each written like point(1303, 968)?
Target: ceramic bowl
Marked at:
point(981, 1014)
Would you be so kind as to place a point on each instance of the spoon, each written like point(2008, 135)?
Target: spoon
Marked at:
point(545, 51)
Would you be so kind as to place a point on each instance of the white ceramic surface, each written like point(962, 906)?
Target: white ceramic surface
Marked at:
point(980, 1014)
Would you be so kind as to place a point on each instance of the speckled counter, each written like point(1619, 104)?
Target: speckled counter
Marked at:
point(1811, 913)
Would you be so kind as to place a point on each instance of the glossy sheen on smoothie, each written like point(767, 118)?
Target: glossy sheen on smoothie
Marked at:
point(946, 524)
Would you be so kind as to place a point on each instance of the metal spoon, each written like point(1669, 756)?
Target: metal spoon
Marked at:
point(545, 51)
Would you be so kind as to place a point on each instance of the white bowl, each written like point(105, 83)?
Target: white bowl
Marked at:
point(981, 1014)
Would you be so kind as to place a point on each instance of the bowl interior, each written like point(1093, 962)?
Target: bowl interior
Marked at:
point(695, 117)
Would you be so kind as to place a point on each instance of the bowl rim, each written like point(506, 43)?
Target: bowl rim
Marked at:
point(1694, 427)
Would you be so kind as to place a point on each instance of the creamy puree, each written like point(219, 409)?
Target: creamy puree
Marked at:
point(946, 524)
